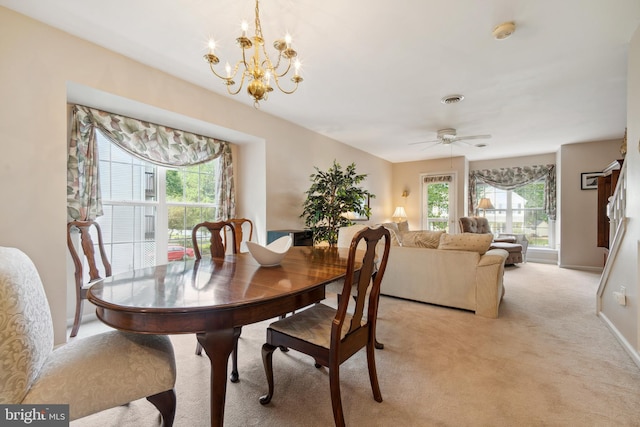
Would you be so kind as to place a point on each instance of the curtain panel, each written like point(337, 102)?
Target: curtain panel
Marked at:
point(511, 178)
point(151, 142)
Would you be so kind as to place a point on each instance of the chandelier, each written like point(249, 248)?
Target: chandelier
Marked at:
point(258, 69)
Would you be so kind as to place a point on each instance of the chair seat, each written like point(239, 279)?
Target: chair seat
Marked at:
point(140, 366)
point(312, 325)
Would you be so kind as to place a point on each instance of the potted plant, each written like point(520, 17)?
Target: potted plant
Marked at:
point(332, 195)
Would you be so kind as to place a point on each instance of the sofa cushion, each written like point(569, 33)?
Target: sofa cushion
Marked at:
point(471, 242)
point(403, 227)
point(396, 237)
point(422, 239)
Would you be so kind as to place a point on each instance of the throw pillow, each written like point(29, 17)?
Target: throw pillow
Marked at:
point(403, 227)
point(466, 242)
point(422, 239)
point(396, 240)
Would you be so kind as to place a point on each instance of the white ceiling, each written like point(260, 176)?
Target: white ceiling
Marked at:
point(375, 71)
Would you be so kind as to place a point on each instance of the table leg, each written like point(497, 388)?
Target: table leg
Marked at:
point(218, 345)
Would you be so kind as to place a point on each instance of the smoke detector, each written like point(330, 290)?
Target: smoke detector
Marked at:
point(452, 99)
point(504, 30)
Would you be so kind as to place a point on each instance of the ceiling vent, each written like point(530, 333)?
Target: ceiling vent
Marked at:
point(452, 99)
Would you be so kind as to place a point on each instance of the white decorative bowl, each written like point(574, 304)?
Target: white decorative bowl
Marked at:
point(272, 254)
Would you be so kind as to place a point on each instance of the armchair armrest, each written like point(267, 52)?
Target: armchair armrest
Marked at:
point(504, 238)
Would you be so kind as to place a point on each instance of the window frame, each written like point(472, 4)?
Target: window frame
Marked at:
point(161, 204)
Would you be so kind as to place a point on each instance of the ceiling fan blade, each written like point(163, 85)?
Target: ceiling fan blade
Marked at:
point(431, 144)
point(459, 138)
point(424, 142)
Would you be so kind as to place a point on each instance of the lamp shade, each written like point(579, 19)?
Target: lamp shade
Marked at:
point(399, 213)
point(485, 203)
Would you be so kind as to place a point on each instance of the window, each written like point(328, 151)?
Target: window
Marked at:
point(149, 210)
point(519, 211)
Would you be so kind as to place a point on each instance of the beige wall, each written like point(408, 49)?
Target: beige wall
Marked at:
point(406, 177)
point(42, 67)
point(578, 212)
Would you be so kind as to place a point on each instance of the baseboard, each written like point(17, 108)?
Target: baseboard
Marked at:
point(581, 267)
point(541, 260)
point(633, 353)
point(542, 256)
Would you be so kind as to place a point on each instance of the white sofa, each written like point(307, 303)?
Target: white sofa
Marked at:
point(452, 270)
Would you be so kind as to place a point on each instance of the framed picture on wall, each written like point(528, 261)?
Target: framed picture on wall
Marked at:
point(363, 217)
point(589, 180)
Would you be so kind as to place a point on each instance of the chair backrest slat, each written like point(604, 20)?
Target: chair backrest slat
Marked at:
point(238, 224)
point(218, 248)
point(367, 282)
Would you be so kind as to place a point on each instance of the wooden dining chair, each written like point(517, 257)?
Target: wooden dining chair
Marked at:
point(88, 248)
point(331, 336)
point(239, 224)
point(218, 251)
point(218, 247)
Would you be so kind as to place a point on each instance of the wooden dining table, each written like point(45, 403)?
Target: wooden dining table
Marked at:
point(214, 298)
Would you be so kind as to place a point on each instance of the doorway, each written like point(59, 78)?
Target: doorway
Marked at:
point(438, 201)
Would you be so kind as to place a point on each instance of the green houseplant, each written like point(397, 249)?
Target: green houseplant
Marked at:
point(333, 194)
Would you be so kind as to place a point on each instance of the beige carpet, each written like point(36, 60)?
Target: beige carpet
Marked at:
point(546, 361)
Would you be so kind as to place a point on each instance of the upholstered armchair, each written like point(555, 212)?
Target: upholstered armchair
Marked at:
point(515, 244)
point(89, 374)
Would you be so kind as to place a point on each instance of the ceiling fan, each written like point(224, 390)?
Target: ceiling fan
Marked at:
point(448, 136)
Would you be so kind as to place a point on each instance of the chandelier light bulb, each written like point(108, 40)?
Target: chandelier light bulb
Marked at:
point(245, 27)
point(287, 39)
point(212, 45)
point(227, 68)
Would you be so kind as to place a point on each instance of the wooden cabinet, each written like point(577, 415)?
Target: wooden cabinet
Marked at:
point(606, 187)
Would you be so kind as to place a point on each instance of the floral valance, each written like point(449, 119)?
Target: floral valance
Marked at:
point(511, 178)
point(151, 142)
point(157, 144)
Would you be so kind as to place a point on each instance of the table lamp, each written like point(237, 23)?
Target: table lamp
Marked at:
point(399, 214)
point(484, 204)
